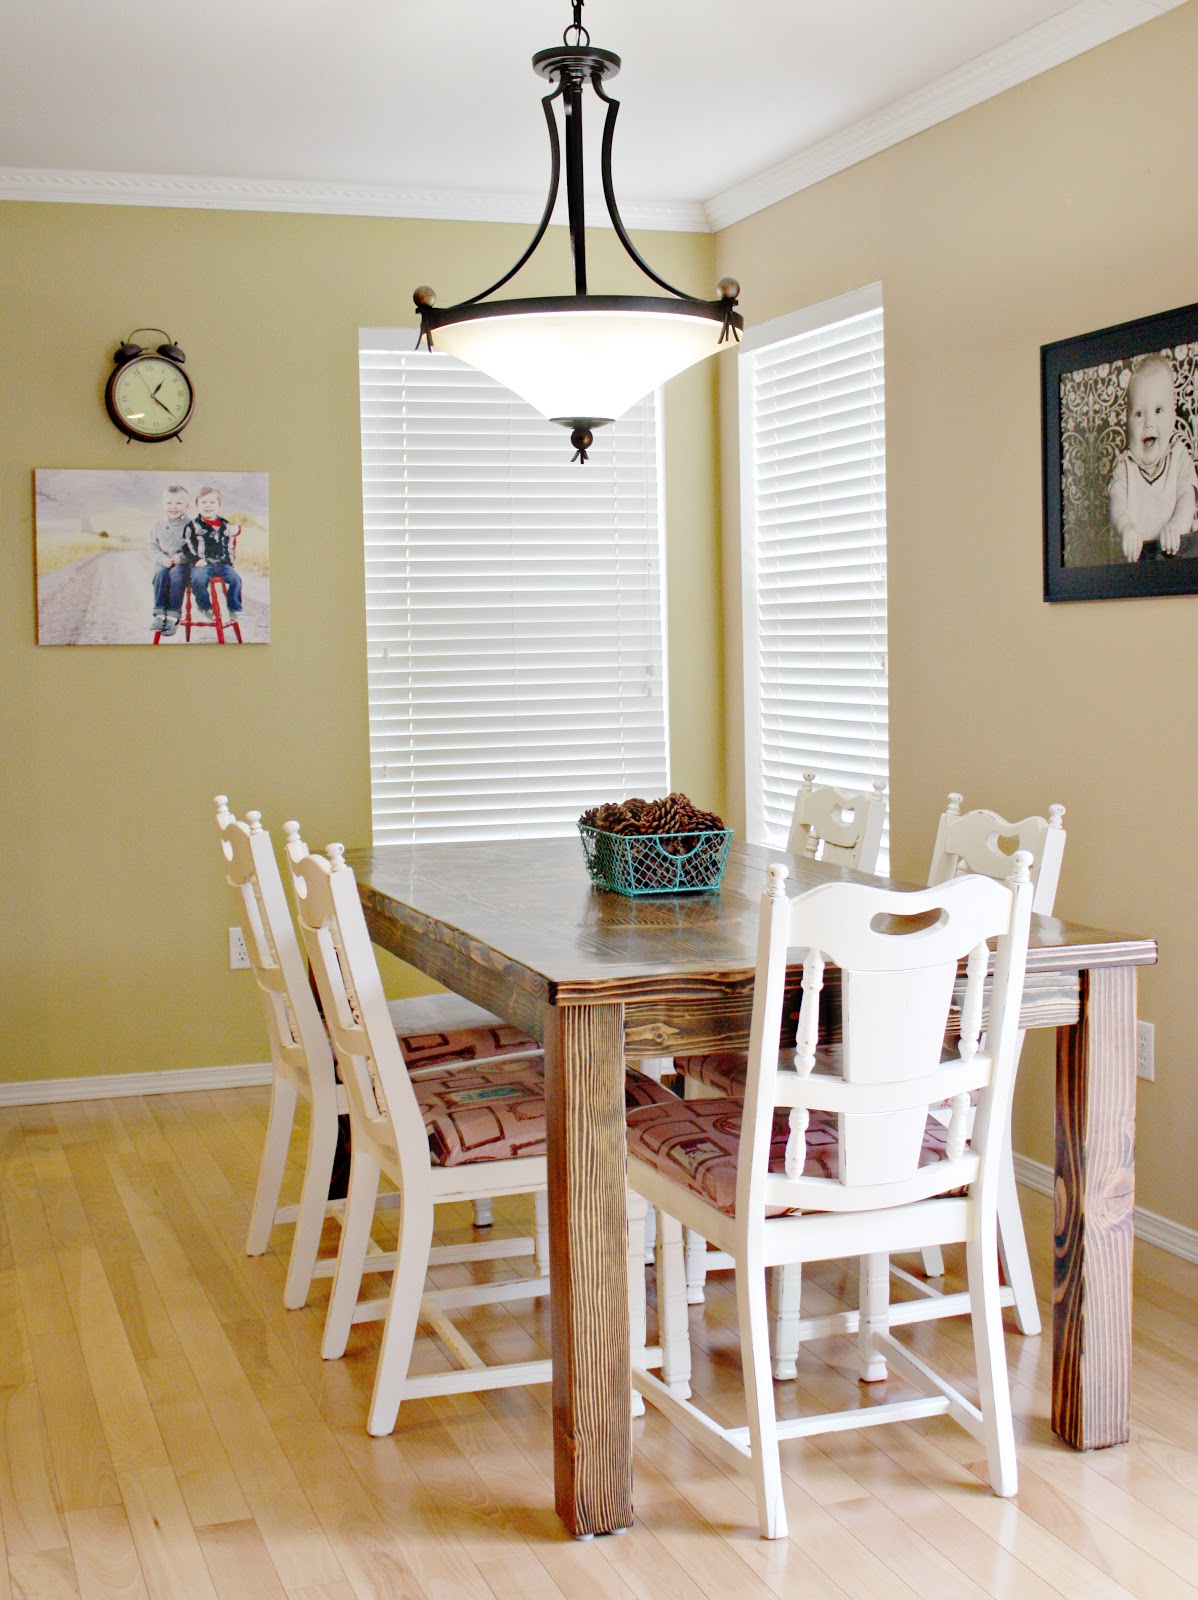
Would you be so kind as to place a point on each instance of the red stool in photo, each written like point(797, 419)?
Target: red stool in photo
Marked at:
point(221, 618)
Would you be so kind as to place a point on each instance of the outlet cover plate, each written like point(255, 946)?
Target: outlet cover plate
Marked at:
point(1145, 1052)
point(239, 956)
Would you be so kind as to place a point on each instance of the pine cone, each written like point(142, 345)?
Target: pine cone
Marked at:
point(675, 814)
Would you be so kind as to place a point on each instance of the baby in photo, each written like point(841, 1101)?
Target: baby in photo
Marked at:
point(1153, 489)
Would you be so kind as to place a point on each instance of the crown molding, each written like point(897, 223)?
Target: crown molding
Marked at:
point(326, 199)
point(1082, 27)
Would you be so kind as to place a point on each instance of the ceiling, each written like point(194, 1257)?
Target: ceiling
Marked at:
point(439, 97)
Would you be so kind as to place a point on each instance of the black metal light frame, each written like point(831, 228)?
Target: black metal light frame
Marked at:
point(571, 66)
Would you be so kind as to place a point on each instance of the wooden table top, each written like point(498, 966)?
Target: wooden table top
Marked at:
point(528, 906)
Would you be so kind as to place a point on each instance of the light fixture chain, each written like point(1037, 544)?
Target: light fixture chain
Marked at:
point(581, 35)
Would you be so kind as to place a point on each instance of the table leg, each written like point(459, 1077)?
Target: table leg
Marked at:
point(1093, 1196)
point(588, 1242)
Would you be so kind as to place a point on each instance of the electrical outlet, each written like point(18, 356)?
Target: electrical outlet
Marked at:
point(1145, 1052)
point(239, 956)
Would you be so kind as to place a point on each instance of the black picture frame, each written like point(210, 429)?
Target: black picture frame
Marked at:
point(1083, 387)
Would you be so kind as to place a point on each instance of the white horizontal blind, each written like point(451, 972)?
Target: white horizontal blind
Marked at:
point(513, 606)
point(813, 461)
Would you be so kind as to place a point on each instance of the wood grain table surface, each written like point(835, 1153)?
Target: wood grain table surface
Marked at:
point(517, 926)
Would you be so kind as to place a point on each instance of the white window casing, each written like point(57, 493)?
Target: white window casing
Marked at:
point(813, 538)
point(514, 605)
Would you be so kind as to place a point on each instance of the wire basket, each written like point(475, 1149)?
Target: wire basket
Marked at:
point(655, 863)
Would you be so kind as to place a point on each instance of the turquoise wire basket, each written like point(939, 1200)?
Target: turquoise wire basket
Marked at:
point(655, 863)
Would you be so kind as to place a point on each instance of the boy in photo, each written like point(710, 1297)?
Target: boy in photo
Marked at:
point(1153, 489)
point(212, 542)
point(172, 561)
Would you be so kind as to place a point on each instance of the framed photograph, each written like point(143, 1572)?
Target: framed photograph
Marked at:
point(179, 557)
point(1119, 413)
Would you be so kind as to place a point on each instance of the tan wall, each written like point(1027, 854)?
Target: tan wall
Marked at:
point(1062, 206)
point(112, 913)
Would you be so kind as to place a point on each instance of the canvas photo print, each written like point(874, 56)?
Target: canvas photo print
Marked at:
point(175, 558)
point(1121, 446)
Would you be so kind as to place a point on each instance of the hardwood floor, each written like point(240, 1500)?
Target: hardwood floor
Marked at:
point(167, 1429)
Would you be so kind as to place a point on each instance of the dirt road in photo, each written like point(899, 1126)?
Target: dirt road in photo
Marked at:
point(107, 599)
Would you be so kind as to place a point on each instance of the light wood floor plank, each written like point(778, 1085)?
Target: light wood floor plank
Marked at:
point(239, 1562)
point(82, 1464)
point(374, 1557)
point(166, 1541)
point(43, 1298)
point(29, 1503)
point(16, 1358)
point(43, 1575)
point(106, 1562)
point(206, 1477)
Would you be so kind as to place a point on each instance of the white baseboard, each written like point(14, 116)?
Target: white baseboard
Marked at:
point(1147, 1225)
point(52, 1091)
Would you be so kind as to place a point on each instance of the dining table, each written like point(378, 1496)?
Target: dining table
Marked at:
point(602, 979)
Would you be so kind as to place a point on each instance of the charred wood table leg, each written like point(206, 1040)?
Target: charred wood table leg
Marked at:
point(1093, 1196)
point(588, 1234)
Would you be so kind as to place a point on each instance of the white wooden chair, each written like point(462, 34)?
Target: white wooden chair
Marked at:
point(979, 842)
point(971, 842)
point(438, 1139)
point(851, 1164)
point(840, 826)
point(302, 1061)
point(982, 841)
point(439, 1030)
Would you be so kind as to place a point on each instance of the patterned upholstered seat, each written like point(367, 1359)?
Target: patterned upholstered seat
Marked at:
point(641, 1090)
point(725, 1071)
point(431, 1049)
point(695, 1143)
point(496, 1111)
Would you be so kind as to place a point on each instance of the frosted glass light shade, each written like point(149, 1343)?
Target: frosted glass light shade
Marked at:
point(586, 363)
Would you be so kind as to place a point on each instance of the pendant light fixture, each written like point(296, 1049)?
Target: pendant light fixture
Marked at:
point(581, 359)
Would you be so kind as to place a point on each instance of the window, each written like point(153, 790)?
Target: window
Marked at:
point(514, 613)
point(813, 519)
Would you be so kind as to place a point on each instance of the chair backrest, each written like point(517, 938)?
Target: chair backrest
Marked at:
point(333, 927)
point(297, 1036)
point(840, 826)
point(982, 841)
point(898, 955)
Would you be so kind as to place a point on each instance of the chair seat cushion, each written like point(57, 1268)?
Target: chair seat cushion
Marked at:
point(438, 1028)
point(641, 1090)
point(727, 1070)
point(491, 1112)
point(496, 1111)
point(695, 1143)
point(724, 1071)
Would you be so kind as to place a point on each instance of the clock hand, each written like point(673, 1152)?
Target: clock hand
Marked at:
point(158, 402)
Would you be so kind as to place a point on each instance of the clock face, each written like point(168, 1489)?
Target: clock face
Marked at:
point(149, 398)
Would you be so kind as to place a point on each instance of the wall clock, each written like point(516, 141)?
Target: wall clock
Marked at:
point(149, 396)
